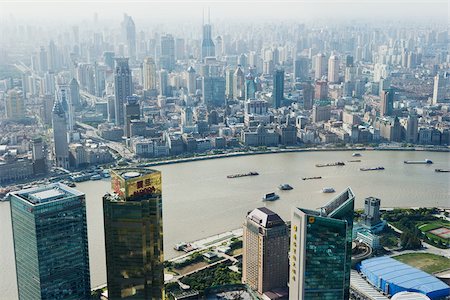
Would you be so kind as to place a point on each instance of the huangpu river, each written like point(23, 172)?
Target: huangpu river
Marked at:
point(199, 201)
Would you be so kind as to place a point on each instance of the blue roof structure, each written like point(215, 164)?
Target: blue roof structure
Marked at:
point(392, 276)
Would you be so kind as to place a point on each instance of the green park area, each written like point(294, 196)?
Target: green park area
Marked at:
point(427, 262)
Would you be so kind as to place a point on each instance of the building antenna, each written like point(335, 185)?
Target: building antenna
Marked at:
point(203, 16)
point(209, 16)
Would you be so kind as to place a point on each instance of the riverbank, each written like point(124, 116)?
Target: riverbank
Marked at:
point(287, 150)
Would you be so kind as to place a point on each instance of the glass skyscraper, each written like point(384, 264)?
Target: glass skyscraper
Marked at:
point(134, 235)
point(50, 243)
point(321, 246)
point(278, 88)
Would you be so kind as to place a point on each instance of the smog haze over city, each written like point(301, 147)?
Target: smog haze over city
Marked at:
point(254, 149)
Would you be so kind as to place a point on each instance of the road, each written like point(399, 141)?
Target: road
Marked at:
point(118, 147)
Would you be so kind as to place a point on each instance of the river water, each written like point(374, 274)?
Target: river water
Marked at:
point(199, 201)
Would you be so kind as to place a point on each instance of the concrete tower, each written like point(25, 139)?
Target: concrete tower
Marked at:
point(191, 83)
point(238, 83)
point(333, 69)
point(149, 69)
point(61, 147)
point(320, 69)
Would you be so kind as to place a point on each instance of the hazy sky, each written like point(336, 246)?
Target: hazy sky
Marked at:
point(183, 10)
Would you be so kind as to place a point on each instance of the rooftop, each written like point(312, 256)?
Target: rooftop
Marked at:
point(265, 217)
point(46, 193)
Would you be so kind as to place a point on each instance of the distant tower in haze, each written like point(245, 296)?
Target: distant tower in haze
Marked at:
point(250, 87)
point(333, 69)
point(75, 93)
point(59, 124)
point(191, 83)
point(238, 83)
point(167, 57)
point(301, 68)
point(63, 96)
point(149, 69)
point(278, 88)
point(132, 111)
point(163, 83)
point(387, 102)
point(129, 34)
point(208, 48)
point(321, 66)
point(43, 60)
point(38, 156)
point(439, 89)
point(265, 264)
point(412, 129)
point(15, 106)
point(123, 87)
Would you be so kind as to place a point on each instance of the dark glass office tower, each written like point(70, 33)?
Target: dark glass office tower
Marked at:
point(321, 248)
point(50, 243)
point(134, 235)
point(278, 88)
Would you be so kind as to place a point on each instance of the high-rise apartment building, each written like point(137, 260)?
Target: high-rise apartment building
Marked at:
point(320, 68)
point(278, 88)
point(15, 106)
point(265, 263)
point(333, 69)
point(50, 243)
point(123, 87)
point(134, 235)
point(320, 251)
point(149, 69)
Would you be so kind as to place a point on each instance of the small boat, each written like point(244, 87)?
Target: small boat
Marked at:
point(339, 163)
point(356, 154)
point(71, 184)
point(96, 177)
point(372, 169)
point(285, 187)
point(354, 160)
point(270, 197)
point(309, 178)
point(243, 175)
point(426, 161)
point(180, 246)
point(328, 190)
point(442, 170)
